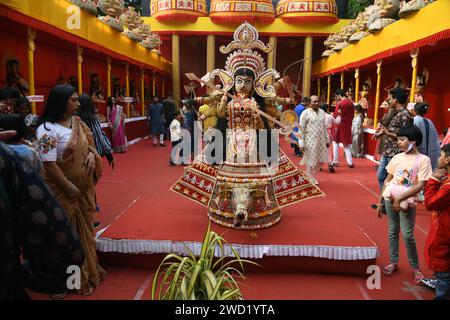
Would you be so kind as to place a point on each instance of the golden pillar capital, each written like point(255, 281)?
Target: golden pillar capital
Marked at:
point(31, 37)
point(210, 52)
point(80, 51)
point(379, 63)
point(308, 52)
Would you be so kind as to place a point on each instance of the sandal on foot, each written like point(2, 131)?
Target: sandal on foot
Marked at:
point(418, 276)
point(389, 269)
point(86, 292)
point(58, 296)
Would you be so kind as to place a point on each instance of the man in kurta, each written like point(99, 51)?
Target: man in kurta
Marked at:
point(342, 133)
point(156, 118)
point(315, 138)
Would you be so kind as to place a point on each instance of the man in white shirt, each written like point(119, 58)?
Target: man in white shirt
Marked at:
point(315, 138)
point(175, 135)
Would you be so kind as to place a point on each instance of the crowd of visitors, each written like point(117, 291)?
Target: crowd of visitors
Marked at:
point(50, 166)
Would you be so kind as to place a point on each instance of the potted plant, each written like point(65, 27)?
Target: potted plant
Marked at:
point(200, 278)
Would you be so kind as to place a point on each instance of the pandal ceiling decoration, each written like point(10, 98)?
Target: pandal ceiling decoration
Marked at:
point(307, 11)
point(235, 11)
point(178, 10)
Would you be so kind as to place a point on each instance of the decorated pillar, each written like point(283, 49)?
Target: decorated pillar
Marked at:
point(414, 55)
point(176, 67)
point(142, 90)
point(108, 75)
point(342, 79)
point(318, 87)
point(377, 95)
point(31, 50)
point(272, 56)
point(80, 71)
point(163, 93)
point(210, 52)
point(154, 83)
point(127, 86)
point(328, 90)
point(308, 51)
point(356, 84)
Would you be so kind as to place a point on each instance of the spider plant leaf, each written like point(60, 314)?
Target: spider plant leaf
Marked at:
point(211, 277)
point(217, 288)
point(208, 285)
point(183, 289)
point(230, 294)
point(206, 240)
point(190, 253)
point(194, 278)
point(177, 275)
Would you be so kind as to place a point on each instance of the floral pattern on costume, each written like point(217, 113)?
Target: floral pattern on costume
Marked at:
point(47, 143)
point(32, 225)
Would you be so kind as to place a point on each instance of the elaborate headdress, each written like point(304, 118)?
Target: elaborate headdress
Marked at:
point(246, 39)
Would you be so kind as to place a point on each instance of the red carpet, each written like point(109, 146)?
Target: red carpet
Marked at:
point(313, 236)
point(143, 172)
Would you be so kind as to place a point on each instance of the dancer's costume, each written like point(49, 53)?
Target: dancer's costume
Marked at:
point(245, 193)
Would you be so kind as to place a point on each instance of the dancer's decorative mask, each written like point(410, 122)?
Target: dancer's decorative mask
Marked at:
point(246, 39)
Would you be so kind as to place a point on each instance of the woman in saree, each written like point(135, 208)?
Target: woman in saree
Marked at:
point(72, 167)
point(116, 121)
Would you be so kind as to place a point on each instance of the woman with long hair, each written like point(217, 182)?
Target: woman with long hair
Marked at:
point(116, 121)
point(72, 167)
point(86, 112)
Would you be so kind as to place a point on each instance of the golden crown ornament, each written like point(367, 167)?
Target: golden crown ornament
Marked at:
point(245, 40)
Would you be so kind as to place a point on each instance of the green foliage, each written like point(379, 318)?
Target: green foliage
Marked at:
point(356, 6)
point(200, 278)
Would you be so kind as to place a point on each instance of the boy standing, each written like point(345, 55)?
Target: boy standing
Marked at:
point(175, 136)
point(437, 199)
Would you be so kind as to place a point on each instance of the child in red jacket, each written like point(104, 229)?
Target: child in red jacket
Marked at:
point(437, 199)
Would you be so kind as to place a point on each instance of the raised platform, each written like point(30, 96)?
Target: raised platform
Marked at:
point(312, 237)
